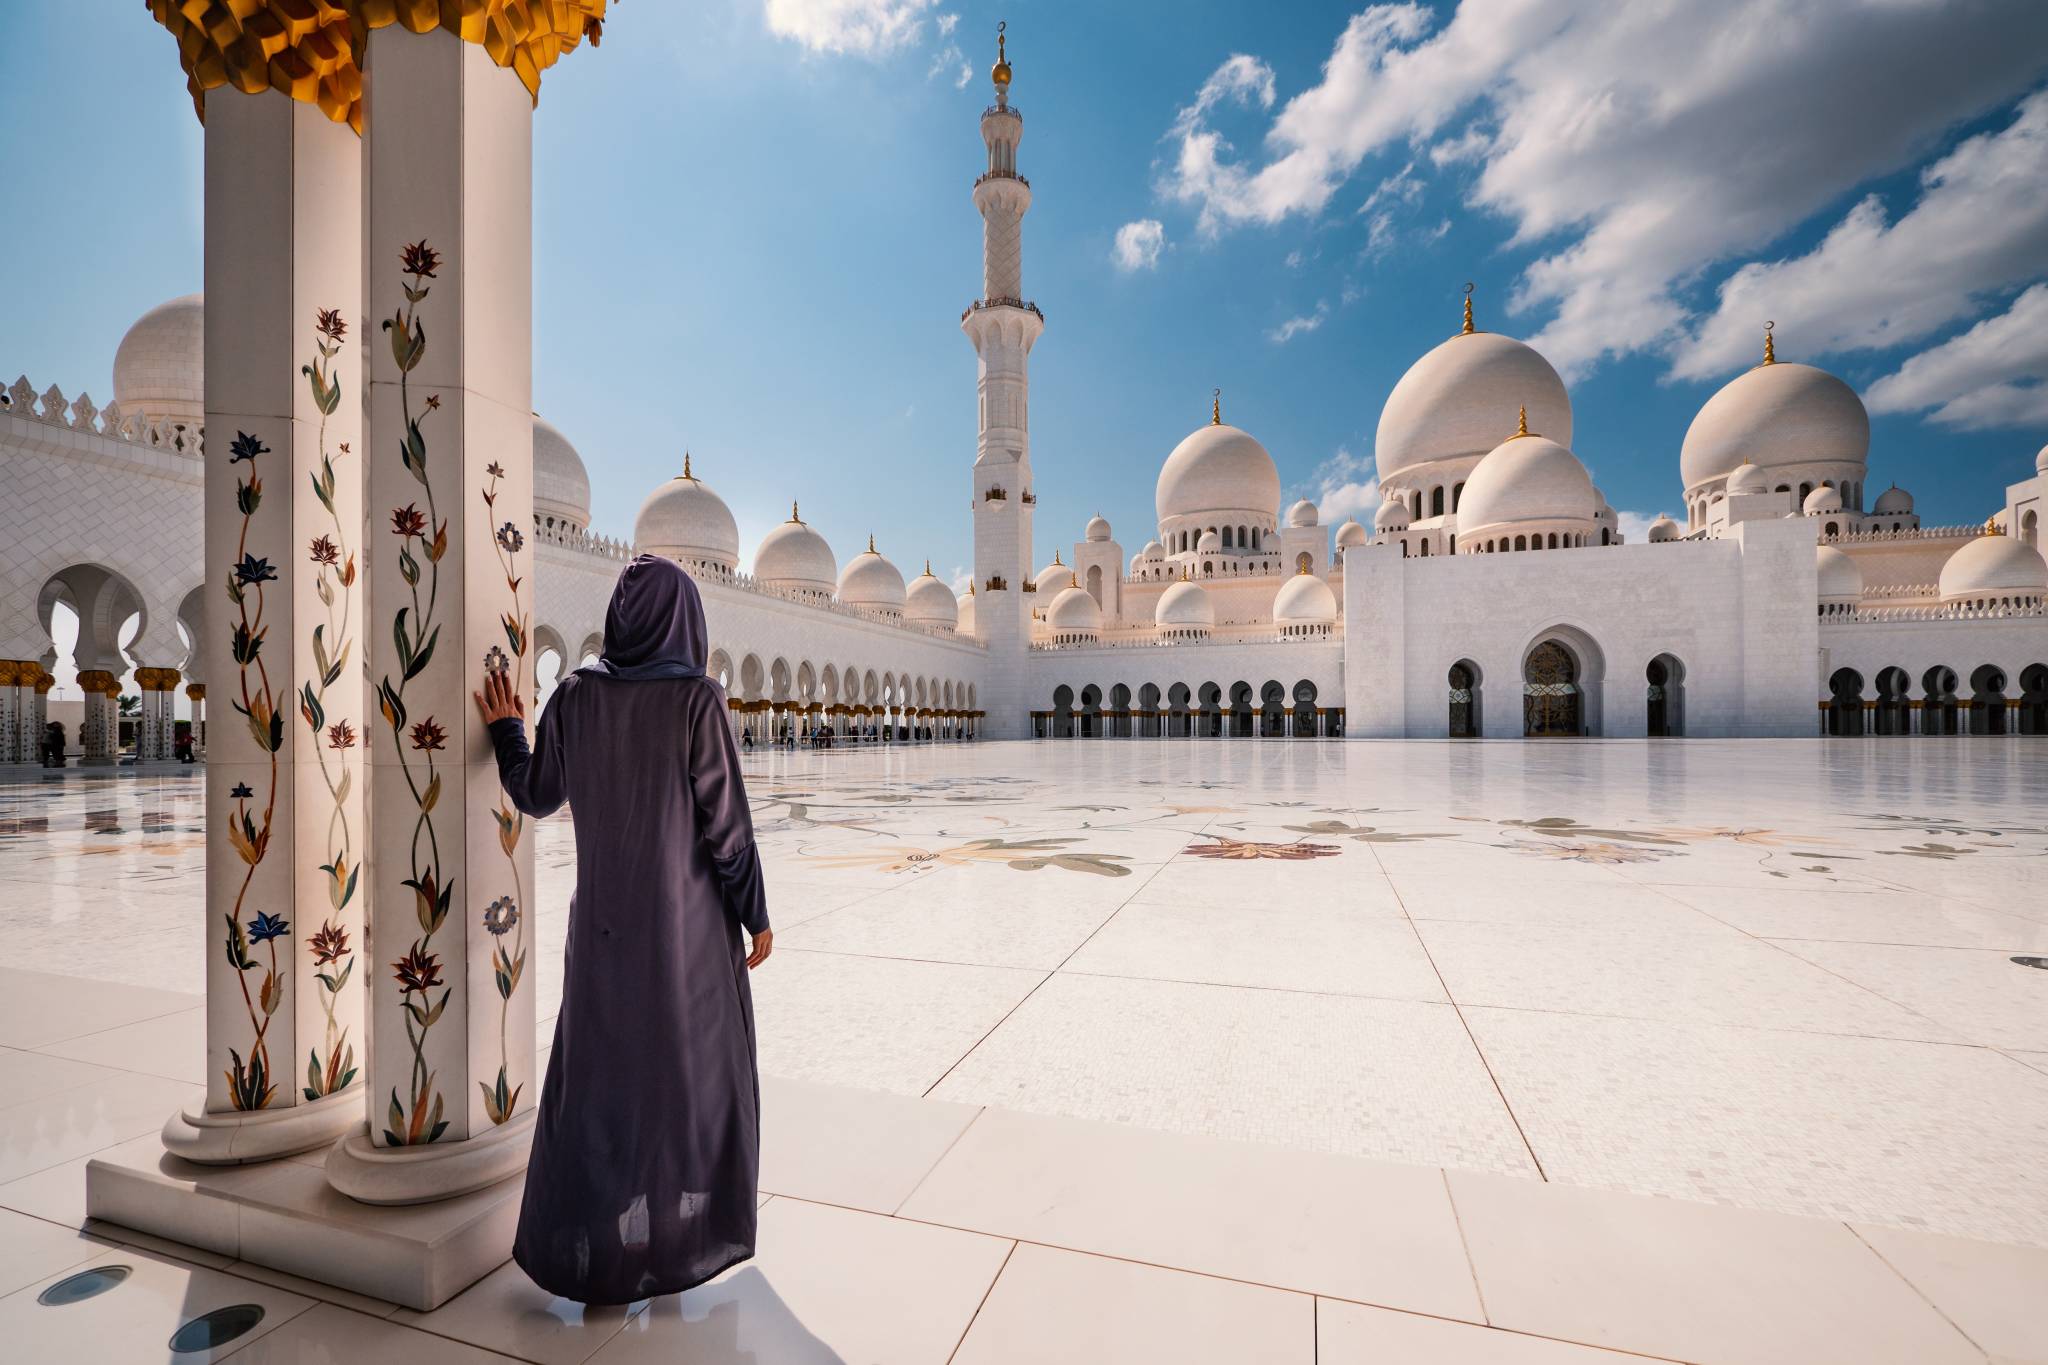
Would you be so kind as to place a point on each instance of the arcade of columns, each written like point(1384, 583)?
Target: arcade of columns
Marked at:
point(368, 284)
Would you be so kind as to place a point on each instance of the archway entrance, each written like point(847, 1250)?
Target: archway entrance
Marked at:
point(1938, 709)
point(1987, 701)
point(1893, 716)
point(1845, 703)
point(1272, 710)
point(2033, 716)
point(1307, 722)
point(1664, 697)
point(1553, 704)
point(1464, 700)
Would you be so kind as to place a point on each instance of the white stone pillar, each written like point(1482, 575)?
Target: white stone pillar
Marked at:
point(159, 715)
point(17, 681)
point(37, 713)
point(281, 640)
point(99, 728)
point(449, 156)
point(196, 694)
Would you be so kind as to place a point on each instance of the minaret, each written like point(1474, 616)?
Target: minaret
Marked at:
point(1003, 328)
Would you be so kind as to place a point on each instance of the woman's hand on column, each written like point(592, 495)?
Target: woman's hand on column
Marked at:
point(764, 944)
point(499, 700)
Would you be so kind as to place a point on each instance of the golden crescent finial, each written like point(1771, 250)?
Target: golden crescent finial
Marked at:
point(1468, 309)
point(1522, 421)
point(871, 542)
point(686, 466)
point(792, 512)
point(1216, 408)
point(1770, 348)
point(1000, 72)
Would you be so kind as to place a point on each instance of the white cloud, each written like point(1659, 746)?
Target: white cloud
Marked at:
point(1640, 143)
point(1293, 261)
point(962, 580)
point(1981, 222)
point(1993, 375)
point(1634, 526)
point(1345, 486)
point(947, 23)
point(1138, 245)
point(1294, 327)
point(866, 28)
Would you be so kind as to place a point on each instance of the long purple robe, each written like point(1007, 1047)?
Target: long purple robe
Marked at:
point(647, 1145)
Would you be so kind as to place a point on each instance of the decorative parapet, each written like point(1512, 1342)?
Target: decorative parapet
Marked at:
point(1862, 615)
point(1884, 591)
point(979, 304)
point(1152, 638)
point(80, 414)
point(1878, 535)
point(307, 49)
point(582, 542)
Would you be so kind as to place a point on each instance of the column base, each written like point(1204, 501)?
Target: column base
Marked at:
point(284, 1215)
point(371, 1174)
point(240, 1137)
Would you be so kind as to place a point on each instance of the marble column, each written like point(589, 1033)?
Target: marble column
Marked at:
point(37, 714)
point(196, 694)
point(448, 144)
point(17, 679)
point(99, 728)
point(285, 831)
point(159, 688)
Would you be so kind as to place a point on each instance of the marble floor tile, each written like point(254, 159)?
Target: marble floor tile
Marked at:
point(1354, 1334)
point(880, 1023)
point(32, 1250)
point(1690, 1281)
point(827, 1286)
point(26, 1076)
point(73, 1123)
point(55, 1195)
point(1994, 1294)
point(1363, 1230)
point(1911, 1134)
point(506, 1311)
point(326, 1334)
point(1319, 947)
point(970, 917)
point(860, 1149)
point(1613, 903)
point(135, 1319)
point(172, 1047)
point(313, 1289)
point(1683, 977)
point(1982, 996)
point(1050, 1305)
point(1389, 1079)
point(37, 1008)
point(1868, 917)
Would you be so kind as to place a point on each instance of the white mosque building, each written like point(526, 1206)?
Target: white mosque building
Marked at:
point(1492, 596)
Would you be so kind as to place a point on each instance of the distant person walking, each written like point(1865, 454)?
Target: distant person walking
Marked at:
point(647, 1146)
point(53, 744)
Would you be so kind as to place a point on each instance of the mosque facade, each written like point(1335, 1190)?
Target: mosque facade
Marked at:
point(1493, 595)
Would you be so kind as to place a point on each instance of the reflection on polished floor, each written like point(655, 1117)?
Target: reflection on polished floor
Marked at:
point(1418, 1021)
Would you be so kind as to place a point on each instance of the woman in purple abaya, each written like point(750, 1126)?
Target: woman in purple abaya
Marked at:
point(648, 1141)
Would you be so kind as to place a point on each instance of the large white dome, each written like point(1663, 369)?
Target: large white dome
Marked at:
point(1184, 606)
point(1773, 416)
point(1351, 533)
point(1098, 528)
point(1053, 576)
point(1823, 499)
point(159, 367)
point(1074, 612)
point(1993, 568)
point(795, 556)
point(1841, 582)
point(930, 602)
point(561, 485)
point(1218, 469)
point(681, 520)
point(1460, 399)
point(1526, 479)
point(1305, 600)
point(870, 580)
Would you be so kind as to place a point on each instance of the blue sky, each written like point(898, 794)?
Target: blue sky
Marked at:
point(755, 234)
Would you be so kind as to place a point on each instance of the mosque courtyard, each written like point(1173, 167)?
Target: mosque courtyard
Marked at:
point(1756, 979)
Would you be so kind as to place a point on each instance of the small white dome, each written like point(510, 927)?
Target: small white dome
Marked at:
point(159, 367)
point(1994, 567)
point(1841, 582)
point(1153, 550)
point(1526, 479)
point(1217, 469)
point(1663, 529)
point(561, 485)
point(1393, 515)
point(1074, 612)
point(1098, 528)
point(1303, 513)
point(1748, 478)
point(963, 624)
point(1351, 533)
point(1305, 600)
point(1184, 606)
point(1821, 500)
point(1893, 502)
point(1209, 544)
point(930, 602)
point(795, 556)
point(1053, 576)
point(1774, 416)
point(681, 520)
point(870, 580)
point(2041, 461)
point(1459, 399)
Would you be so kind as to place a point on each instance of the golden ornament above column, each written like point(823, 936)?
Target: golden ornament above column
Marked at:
point(196, 691)
point(97, 681)
point(308, 49)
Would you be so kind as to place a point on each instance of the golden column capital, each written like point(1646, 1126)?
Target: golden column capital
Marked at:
point(157, 679)
point(45, 683)
point(97, 681)
point(196, 691)
point(310, 50)
point(11, 672)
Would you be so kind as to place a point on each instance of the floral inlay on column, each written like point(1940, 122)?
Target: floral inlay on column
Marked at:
point(504, 915)
point(249, 1082)
point(414, 631)
point(334, 569)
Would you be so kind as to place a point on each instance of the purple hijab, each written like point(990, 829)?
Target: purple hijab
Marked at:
point(654, 627)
